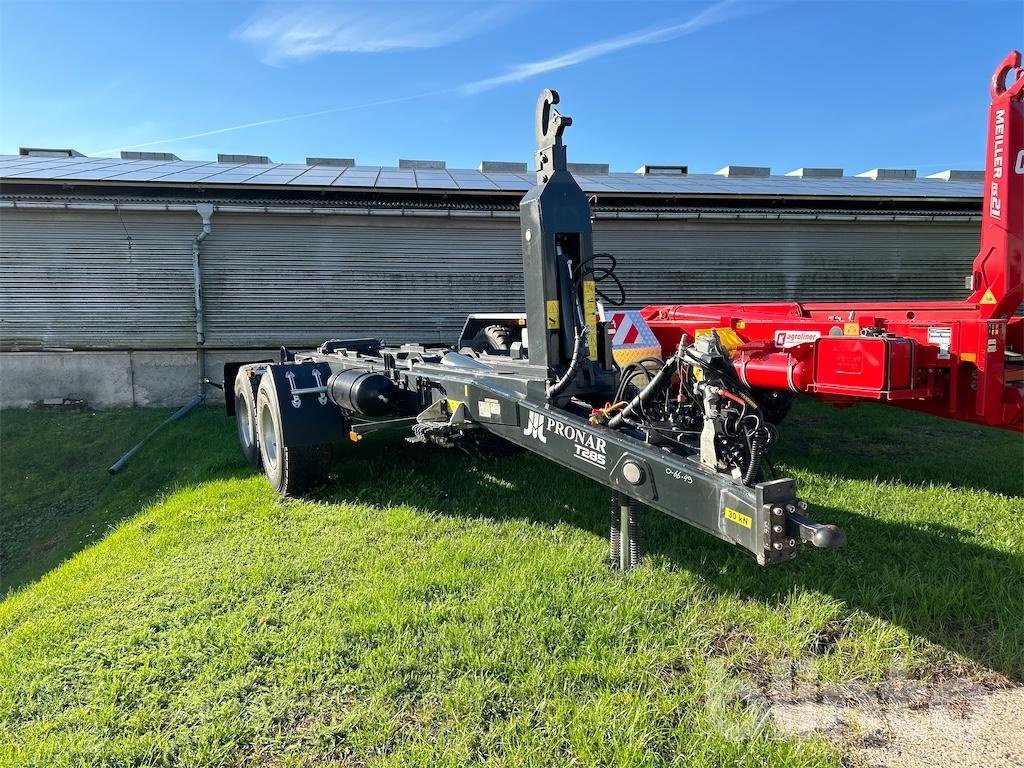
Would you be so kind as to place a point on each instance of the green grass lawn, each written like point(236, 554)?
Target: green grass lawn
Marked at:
point(430, 610)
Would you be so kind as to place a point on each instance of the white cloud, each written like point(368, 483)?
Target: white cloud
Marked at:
point(415, 33)
point(307, 31)
point(715, 14)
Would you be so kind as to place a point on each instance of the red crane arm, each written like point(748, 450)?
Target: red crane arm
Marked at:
point(997, 275)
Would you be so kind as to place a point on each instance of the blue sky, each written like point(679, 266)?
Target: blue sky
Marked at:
point(782, 83)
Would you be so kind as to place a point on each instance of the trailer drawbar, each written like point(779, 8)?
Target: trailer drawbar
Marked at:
point(683, 435)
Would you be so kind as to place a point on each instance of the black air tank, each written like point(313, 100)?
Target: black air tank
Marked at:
point(363, 392)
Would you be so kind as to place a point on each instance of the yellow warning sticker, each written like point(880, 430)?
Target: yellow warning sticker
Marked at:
point(989, 297)
point(851, 329)
point(589, 297)
point(553, 312)
point(590, 312)
point(738, 517)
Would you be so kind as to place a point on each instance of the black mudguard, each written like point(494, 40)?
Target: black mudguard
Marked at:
point(230, 371)
point(315, 420)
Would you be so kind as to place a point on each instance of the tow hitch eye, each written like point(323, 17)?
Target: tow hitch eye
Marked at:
point(821, 536)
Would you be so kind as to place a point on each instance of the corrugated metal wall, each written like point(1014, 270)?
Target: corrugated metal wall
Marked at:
point(299, 279)
point(666, 261)
point(70, 279)
point(84, 279)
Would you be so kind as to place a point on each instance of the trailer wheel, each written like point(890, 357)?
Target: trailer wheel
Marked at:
point(291, 470)
point(493, 339)
point(245, 419)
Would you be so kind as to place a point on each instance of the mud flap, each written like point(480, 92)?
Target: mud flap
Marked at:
point(308, 418)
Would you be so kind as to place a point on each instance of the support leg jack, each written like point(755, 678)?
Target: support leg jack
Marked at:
point(624, 540)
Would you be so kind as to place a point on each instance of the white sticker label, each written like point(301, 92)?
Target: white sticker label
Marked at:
point(489, 408)
point(786, 339)
point(940, 337)
point(992, 345)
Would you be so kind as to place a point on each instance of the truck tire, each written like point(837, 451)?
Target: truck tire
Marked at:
point(492, 339)
point(245, 418)
point(291, 470)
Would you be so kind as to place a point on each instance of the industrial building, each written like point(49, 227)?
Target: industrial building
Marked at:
point(126, 279)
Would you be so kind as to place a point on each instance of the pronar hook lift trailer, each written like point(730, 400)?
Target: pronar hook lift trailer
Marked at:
point(684, 435)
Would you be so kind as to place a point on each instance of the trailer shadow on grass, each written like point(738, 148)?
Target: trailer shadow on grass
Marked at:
point(56, 497)
point(936, 581)
point(879, 443)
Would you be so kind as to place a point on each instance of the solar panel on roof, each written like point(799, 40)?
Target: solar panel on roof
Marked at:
point(590, 183)
point(184, 176)
point(272, 178)
point(87, 173)
point(434, 180)
point(230, 177)
point(320, 172)
point(356, 177)
point(15, 167)
point(475, 181)
point(147, 171)
point(508, 181)
point(13, 161)
point(396, 179)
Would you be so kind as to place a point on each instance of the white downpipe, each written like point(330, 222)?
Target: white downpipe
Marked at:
point(205, 211)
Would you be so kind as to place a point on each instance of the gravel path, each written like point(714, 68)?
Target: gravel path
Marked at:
point(967, 728)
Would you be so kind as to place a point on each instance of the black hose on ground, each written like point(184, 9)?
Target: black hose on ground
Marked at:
point(181, 413)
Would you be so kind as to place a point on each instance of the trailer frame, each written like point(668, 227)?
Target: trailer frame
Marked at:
point(551, 393)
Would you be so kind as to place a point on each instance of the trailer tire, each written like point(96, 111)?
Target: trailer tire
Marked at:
point(291, 470)
point(492, 339)
point(245, 419)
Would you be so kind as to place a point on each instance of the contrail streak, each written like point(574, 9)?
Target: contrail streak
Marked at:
point(723, 10)
point(275, 120)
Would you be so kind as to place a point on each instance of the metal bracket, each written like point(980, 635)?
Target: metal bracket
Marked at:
point(296, 400)
point(322, 399)
point(320, 389)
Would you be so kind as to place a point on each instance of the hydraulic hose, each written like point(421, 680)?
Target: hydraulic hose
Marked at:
point(574, 366)
point(646, 393)
point(758, 443)
point(578, 346)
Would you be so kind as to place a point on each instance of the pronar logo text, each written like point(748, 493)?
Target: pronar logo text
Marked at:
point(586, 446)
point(535, 428)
